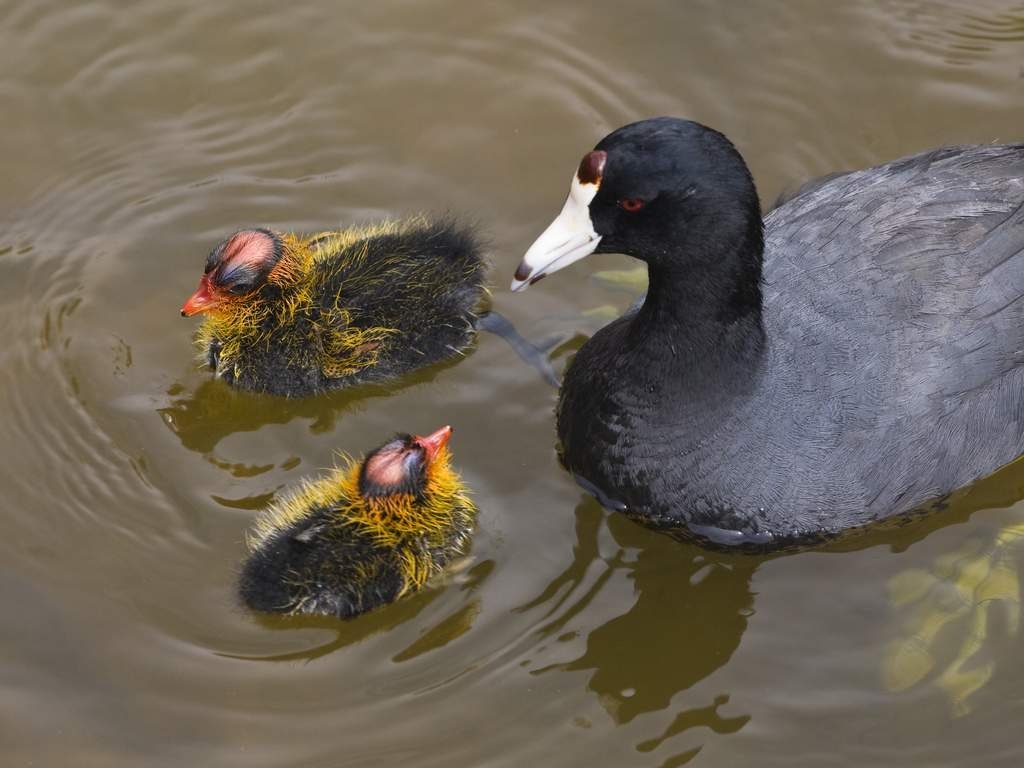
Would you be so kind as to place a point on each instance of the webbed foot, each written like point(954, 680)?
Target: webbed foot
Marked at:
point(535, 354)
point(962, 587)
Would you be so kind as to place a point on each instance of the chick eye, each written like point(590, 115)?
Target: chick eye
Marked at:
point(632, 204)
point(239, 289)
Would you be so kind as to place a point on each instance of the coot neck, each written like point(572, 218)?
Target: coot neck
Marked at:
point(704, 322)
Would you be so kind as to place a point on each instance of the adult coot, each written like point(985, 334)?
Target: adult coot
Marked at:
point(290, 315)
point(853, 356)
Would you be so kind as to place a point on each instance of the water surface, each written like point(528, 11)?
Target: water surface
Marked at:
point(137, 135)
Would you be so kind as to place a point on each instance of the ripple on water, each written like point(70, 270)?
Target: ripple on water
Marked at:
point(956, 35)
point(154, 129)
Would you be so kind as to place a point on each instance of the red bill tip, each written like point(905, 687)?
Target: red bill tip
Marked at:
point(433, 442)
point(200, 301)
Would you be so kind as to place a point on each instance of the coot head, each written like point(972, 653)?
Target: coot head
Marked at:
point(235, 270)
point(670, 192)
point(403, 465)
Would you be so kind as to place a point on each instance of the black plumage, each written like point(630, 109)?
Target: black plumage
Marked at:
point(863, 363)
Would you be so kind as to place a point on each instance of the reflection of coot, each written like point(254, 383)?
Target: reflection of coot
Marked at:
point(690, 612)
point(692, 605)
point(347, 633)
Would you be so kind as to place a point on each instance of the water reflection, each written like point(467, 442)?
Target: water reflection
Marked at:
point(693, 718)
point(201, 419)
point(442, 632)
point(692, 606)
point(689, 615)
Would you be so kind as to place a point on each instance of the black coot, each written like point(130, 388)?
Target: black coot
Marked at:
point(854, 356)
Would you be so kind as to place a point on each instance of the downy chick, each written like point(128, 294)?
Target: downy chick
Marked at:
point(363, 536)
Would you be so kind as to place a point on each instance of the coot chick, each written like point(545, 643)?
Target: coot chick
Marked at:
point(855, 355)
point(290, 315)
point(363, 536)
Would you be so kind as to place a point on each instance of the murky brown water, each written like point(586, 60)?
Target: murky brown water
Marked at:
point(135, 135)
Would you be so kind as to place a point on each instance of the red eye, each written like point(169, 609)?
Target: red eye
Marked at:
point(632, 204)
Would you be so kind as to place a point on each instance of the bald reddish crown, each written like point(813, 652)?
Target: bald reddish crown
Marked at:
point(241, 263)
point(396, 467)
point(400, 466)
